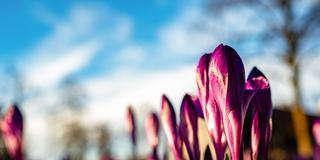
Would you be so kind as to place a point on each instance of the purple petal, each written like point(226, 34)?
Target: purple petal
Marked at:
point(168, 119)
point(227, 78)
point(203, 80)
point(12, 132)
point(261, 106)
point(215, 127)
point(227, 86)
point(197, 105)
point(189, 127)
point(212, 114)
point(131, 125)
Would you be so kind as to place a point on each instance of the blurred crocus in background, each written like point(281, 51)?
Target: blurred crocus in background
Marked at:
point(227, 90)
point(12, 132)
point(316, 135)
point(169, 123)
point(152, 131)
point(211, 112)
point(131, 126)
point(188, 127)
point(261, 107)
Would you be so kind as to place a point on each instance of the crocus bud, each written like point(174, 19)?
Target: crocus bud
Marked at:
point(12, 132)
point(168, 119)
point(227, 88)
point(261, 106)
point(152, 130)
point(212, 114)
point(131, 125)
point(189, 127)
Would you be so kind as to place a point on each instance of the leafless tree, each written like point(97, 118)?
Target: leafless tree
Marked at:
point(75, 138)
point(102, 140)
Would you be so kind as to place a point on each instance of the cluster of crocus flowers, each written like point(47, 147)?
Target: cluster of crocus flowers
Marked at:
point(224, 96)
point(12, 132)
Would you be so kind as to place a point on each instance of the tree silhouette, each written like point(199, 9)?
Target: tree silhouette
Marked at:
point(74, 138)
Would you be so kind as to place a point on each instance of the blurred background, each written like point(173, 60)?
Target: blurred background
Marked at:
point(73, 67)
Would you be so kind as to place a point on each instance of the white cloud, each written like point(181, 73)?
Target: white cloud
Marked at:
point(183, 37)
point(124, 88)
point(131, 54)
point(51, 72)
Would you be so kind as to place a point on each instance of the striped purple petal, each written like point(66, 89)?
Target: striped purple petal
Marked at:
point(227, 86)
point(169, 123)
point(203, 80)
point(212, 114)
point(189, 127)
point(261, 106)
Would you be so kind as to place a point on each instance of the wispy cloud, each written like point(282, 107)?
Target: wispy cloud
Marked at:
point(51, 72)
point(74, 41)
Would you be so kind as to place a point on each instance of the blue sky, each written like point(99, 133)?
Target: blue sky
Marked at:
point(23, 24)
point(125, 52)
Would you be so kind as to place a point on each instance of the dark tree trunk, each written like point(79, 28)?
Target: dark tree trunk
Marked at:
point(300, 124)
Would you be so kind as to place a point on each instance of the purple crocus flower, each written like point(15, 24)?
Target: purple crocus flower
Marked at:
point(211, 112)
point(227, 90)
point(168, 119)
point(12, 132)
point(152, 130)
point(189, 127)
point(261, 106)
point(131, 126)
